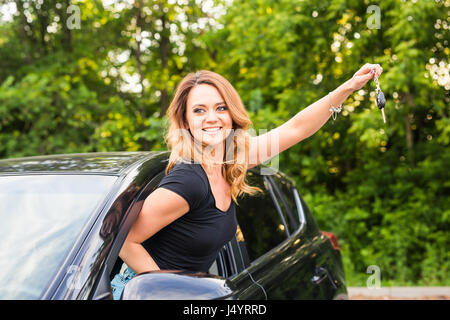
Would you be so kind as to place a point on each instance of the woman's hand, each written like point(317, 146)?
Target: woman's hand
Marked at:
point(364, 74)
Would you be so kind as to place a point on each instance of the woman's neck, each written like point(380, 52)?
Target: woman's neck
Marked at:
point(216, 154)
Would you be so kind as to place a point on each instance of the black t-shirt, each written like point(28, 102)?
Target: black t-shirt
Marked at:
point(193, 241)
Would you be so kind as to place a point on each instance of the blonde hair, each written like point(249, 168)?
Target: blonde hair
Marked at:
point(184, 147)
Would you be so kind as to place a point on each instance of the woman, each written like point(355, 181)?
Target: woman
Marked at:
point(210, 154)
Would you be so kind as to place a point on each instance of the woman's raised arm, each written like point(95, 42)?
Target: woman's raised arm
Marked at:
point(308, 121)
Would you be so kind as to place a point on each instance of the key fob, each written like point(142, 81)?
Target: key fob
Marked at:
point(381, 101)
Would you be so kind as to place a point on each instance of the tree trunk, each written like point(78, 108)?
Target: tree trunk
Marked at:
point(409, 104)
point(66, 39)
point(42, 17)
point(23, 31)
point(164, 51)
point(137, 53)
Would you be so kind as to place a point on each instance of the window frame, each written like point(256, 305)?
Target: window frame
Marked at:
point(270, 187)
point(281, 195)
point(102, 287)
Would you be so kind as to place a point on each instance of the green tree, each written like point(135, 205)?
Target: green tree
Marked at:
point(382, 188)
point(101, 85)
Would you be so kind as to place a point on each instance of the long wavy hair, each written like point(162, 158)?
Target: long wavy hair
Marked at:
point(183, 146)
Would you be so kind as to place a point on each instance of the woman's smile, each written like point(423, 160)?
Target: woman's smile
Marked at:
point(212, 129)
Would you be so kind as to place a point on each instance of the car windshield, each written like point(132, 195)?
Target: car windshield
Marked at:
point(41, 217)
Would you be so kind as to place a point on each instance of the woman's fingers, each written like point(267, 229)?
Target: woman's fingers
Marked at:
point(367, 68)
point(363, 75)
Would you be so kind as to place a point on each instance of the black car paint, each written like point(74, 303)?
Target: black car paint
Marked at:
point(296, 262)
point(305, 264)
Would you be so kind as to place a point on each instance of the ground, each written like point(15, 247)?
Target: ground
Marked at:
point(362, 297)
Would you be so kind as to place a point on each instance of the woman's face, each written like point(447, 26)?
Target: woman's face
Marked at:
point(207, 115)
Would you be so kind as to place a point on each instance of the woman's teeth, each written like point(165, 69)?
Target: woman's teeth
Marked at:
point(211, 129)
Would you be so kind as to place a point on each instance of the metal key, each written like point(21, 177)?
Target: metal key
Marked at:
point(380, 99)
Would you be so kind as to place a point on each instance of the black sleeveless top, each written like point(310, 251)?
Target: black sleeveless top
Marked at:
point(193, 241)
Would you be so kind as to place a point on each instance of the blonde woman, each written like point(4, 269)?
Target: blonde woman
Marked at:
point(190, 216)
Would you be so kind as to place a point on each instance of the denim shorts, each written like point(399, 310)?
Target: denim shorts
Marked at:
point(120, 280)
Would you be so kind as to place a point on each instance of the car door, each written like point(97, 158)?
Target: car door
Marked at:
point(323, 281)
point(231, 265)
point(278, 239)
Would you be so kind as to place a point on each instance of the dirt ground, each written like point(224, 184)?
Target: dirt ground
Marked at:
point(399, 293)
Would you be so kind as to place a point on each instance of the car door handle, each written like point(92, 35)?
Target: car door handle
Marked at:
point(319, 275)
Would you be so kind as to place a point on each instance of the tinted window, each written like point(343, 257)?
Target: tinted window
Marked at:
point(41, 216)
point(287, 192)
point(285, 196)
point(259, 220)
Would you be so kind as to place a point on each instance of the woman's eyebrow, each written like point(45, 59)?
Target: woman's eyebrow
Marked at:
point(202, 105)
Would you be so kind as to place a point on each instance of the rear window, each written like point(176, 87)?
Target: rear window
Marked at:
point(41, 217)
point(285, 197)
point(259, 220)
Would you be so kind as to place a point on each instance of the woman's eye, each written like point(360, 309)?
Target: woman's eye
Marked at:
point(222, 108)
point(198, 110)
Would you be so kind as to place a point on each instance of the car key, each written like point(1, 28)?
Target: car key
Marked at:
point(380, 99)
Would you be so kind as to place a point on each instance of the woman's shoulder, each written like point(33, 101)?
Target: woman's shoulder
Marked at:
point(185, 169)
point(186, 180)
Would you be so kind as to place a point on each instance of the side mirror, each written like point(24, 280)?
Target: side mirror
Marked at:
point(177, 285)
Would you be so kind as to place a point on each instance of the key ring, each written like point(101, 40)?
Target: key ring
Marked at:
point(375, 78)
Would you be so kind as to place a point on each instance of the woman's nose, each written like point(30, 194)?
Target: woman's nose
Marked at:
point(211, 117)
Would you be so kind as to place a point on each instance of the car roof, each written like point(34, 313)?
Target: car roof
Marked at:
point(109, 163)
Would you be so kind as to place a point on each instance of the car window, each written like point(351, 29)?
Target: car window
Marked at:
point(285, 195)
point(41, 217)
point(259, 221)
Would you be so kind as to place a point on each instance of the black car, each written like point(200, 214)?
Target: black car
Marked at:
point(65, 218)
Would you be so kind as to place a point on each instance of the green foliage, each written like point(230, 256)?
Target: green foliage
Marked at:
point(383, 189)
